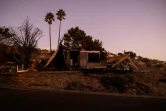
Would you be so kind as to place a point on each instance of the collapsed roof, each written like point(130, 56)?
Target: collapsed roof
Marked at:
point(57, 61)
point(119, 59)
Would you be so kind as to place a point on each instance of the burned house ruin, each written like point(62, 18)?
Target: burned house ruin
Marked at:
point(82, 59)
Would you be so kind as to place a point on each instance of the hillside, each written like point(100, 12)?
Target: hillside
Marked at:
point(151, 83)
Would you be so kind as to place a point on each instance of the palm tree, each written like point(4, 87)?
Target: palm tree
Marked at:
point(60, 16)
point(49, 18)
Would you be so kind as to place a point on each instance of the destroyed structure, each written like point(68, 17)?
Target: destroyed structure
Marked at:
point(62, 60)
point(56, 61)
point(88, 60)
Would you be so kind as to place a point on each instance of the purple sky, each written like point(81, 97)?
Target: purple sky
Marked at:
point(131, 25)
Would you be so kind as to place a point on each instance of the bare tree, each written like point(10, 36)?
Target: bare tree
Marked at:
point(25, 38)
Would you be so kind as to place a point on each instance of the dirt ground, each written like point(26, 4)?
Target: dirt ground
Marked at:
point(149, 83)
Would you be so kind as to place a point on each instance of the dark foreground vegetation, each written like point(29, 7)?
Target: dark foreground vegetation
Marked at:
point(150, 83)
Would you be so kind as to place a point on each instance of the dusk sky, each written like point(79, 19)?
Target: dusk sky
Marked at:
point(130, 25)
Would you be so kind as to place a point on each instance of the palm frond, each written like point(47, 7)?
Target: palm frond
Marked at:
point(49, 18)
point(61, 14)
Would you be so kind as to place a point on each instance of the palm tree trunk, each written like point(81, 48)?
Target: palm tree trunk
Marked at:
point(59, 32)
point(50, 36)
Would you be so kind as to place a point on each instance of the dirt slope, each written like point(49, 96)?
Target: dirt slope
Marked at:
point(137, 83)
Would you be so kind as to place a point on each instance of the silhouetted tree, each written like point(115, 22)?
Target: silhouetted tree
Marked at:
point(132, 54)
point(60, 16)
point(49, 18)
point(97, 45)
point(4, 34)
point(76, 37)
point(120, 53)
point(146, 60)
point(7, 51)
point(140, 58)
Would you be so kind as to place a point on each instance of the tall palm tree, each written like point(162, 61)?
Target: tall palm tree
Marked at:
point(49, 18)
point(60, 16)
